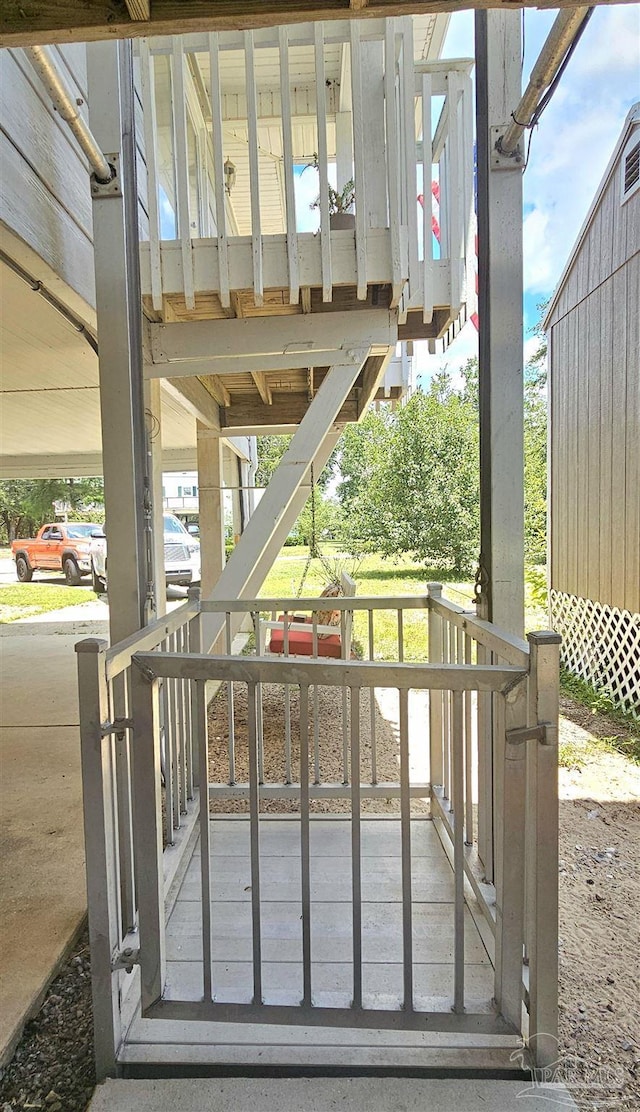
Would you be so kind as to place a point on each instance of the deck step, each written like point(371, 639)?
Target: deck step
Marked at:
point(215, 1045)
point(312, 1094)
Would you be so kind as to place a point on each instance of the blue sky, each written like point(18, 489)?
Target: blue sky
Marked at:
point(570, 149)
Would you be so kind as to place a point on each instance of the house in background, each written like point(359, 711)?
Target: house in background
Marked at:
point(593, 324)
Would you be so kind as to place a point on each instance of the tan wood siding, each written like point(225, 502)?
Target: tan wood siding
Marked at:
point(594, 343)
point(595, 444)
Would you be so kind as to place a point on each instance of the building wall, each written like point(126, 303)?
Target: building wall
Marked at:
point(45, 198)
point(594, 339)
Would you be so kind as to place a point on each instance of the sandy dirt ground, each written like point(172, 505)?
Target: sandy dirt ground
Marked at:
point(599, 871)
point(599, 886)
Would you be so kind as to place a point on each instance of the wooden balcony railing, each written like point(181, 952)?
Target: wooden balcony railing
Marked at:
point(236, 231)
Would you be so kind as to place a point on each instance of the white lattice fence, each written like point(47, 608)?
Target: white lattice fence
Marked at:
point(601, 644)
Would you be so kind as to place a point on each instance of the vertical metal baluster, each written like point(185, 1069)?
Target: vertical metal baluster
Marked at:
point(304, 845)
point(168, 770)
point(454, 660)
point(345, 697)
point(175, 740)
point(468, 751)
point(356, 862)
point(316, 703)
point(254, 818)
point(255, 617)
point(287, 707)
point(189, 714)
point(405, 830)
point(183, 728)
point(202, 749)
point(445, 716)
point(458, 849)
point(400, 636)
point(372, 696)
point(231, 707)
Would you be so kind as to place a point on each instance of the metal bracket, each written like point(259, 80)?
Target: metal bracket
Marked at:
point(148, 673)
point(125, 959)
point(118, 726)
point(112, 188)
point(500, 161)
point(545, 732)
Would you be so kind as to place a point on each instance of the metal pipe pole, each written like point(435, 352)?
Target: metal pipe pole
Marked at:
point(64, 100)
point(561, 35)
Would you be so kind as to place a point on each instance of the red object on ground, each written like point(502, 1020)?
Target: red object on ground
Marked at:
point(301, 641)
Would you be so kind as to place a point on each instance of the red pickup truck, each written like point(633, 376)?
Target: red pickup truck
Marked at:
point(60, 546)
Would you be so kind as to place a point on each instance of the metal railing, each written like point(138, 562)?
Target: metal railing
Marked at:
point(492, 752)
point(216, 226)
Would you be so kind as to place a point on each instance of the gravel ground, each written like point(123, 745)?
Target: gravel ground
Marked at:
point(330, 722)
point(52, 1067)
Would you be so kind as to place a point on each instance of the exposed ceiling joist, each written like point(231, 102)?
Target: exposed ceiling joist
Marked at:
point(139, 9)
point(195, 398)
point(29, 22)
point(262, 386)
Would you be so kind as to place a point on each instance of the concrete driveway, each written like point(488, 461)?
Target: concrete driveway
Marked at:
point(42, 888)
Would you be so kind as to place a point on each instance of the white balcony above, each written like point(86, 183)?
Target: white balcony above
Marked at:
point(249, 137)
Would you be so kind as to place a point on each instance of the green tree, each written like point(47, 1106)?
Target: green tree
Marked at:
point(26, 504)
point(410, 479)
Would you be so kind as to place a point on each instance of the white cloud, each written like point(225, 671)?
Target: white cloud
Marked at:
point(572, 145)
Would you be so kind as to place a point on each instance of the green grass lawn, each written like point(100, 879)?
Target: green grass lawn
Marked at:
point(377, 576)
point(24, 600)
point(374, 576)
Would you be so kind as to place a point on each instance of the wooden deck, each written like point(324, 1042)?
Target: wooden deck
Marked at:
point(262, 1044)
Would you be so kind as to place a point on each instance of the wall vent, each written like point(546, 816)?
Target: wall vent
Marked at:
point(631, 170)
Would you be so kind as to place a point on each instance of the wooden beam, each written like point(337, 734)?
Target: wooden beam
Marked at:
point(234, 342)
point(374, 370)
point(195, 398)
point(264, 390)
point(218, 390)
point(29, 22)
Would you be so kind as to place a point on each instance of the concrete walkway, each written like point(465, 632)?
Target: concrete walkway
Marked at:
point(42, 886)
point(323, 1094)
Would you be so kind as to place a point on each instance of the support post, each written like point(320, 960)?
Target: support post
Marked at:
point(212, 552)
point(498, 87)
point(510, 856)
point(147, 816)
point(119, 314)
point(101, 849)
point(542, 848)
point(210, 464)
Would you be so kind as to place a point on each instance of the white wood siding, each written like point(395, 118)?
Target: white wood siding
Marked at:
point(45, 182)
point(595, 405)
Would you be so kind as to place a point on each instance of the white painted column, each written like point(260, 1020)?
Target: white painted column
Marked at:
point(210, 448)
point(498, 86)
point(344, 135)
point(119, 314)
